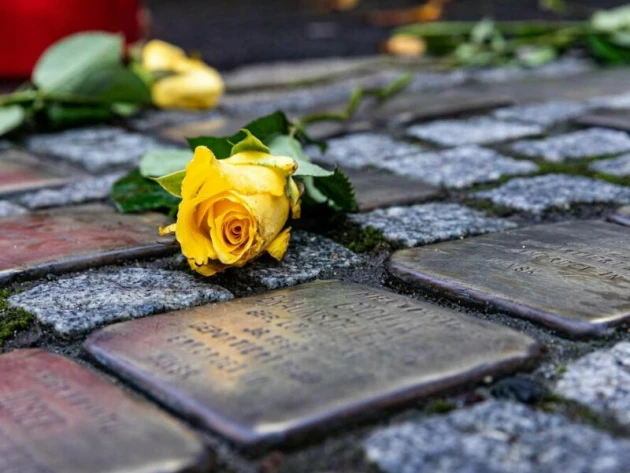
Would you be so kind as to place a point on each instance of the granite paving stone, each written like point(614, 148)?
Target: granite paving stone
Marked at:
point(263, 368)
point(79, 304)
point(96, 149)
point(9, 209)
point(544, 114)
point(496, 437)
point(601, 381)
point(458, 167)
point(565, 67)
point(619, 166)
point(478, 130)
point(309, 257)
point(613, 102)
point(615, 120)
point(541, 193)
point(360, 150)
point(576, 145)
point(85, 190)
point(428, 223)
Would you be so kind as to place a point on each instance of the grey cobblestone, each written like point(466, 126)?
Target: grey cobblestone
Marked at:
point(309, 257)
point(96, 149)
point(85, 190)
point(496, 437)
point(619, 166)
point(577, 145)
point(360, 150)
point(537, 194)
point(544, 114)
point(479, 130)
point(457, 168)
point(9, 209)
point(429, 223)
point(81, 303)
point(601, 381)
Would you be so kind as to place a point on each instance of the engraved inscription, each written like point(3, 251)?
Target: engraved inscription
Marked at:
point(274, 362)
point(574, 276)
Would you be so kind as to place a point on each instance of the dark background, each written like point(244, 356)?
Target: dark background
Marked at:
point(229, 33)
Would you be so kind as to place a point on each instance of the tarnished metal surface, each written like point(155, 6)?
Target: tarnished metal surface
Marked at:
point(374, 190)
point(58, 417)
point(572, 276)
point(75, 238)
point(21, 172)
point(276, 365)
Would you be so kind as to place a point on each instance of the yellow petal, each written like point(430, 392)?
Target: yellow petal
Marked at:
point(167, 230)
point(227, 210)
point(208, 269)
point(161, 56)
point(271, 215)
point(197, 90)
point(294, 194)
point(278, 247)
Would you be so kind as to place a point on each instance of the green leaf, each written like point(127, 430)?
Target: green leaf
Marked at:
point(608, 21)
point(67, 62)
point(606, 51)
point(111, 84)
point(262, 128)
point(335, 190)
point(285, 145)
point(172, 183)
point(11, 117)
point(249, 143)
point(339, 191)
point(62, 116)
point(161, 162)
point(134, 193)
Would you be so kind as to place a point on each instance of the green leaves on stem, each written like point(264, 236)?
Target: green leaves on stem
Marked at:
point(81, 78)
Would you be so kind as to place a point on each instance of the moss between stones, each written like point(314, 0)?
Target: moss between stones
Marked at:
point(366, 240)
point(12, 320)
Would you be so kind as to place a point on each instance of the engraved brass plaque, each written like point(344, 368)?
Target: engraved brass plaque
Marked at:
point(269, 367)
point(374, 190)
point(20, 172)
point(74, 238)
point(573, 276)
point(611, 119)
point(58, 417)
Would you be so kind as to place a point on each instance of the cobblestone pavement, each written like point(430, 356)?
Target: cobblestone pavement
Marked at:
point(473, 317)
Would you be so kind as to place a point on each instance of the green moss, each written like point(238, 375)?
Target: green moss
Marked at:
point(12, 320)
point(366, 240)
point(440, 406)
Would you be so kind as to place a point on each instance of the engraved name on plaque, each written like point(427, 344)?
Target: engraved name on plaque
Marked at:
point(266, 367)
point(572, 276)
point(58, 417)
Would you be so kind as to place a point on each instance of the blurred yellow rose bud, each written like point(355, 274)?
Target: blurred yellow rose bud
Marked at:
point(235, 209)
point(405, 45)
point(191, 83)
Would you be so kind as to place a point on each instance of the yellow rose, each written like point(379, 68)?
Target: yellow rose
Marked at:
point(235, 209)
point(193, 84)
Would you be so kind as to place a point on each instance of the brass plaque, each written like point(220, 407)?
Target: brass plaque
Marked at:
point(75, 238)
point(58, 417)
point(21, 172)
point(621, 216)
point(615, 120)
point(376, 189)
point(211, 127)
point(272, 366)
point(572, 276)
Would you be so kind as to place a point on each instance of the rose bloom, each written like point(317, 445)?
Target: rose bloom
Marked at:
point(192, 84)
point(235, 209)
